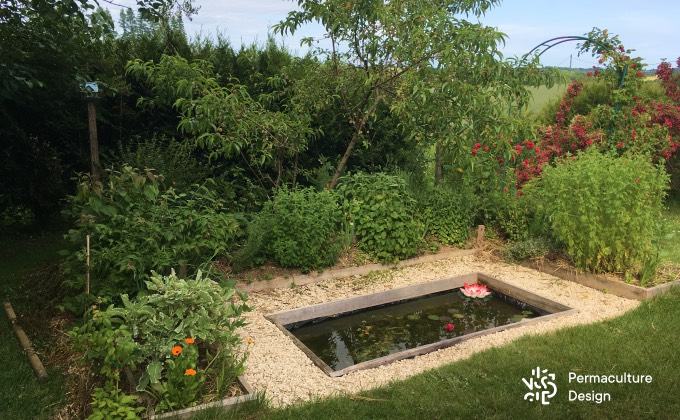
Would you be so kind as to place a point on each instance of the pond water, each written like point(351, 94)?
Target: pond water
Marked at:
point(348, 339)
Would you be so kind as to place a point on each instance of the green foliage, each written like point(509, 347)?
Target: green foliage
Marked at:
point(111, 402)
point(448, 214)
point(524, 249)
point(136, 224)
point(603, 209)
point(157, 334)
point(167, 156)
point(304, 228)
point(383, 214)
point(254, 249)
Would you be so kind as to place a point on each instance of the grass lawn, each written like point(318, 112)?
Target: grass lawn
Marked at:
point(489, 385)
point(21, 397)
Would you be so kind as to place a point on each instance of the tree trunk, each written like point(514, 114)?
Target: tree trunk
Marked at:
point(358, 128)
point(438, 170)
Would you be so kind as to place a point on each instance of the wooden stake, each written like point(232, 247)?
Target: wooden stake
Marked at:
point(480, 234)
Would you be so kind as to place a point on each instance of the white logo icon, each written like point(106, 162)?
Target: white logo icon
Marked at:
point(541, 386)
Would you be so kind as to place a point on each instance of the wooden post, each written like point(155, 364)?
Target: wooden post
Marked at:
point(94, 142)
point(480, 234)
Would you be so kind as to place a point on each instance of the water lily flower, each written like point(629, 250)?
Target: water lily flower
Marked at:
point(475, 291)
point(449, 327)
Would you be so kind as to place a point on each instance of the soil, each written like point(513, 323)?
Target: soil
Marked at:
point(278, 367)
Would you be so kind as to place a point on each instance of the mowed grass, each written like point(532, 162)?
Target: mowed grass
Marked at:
point(21, 396)
point(489, 384)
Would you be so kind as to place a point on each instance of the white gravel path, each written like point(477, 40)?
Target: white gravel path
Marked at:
point(287, 375)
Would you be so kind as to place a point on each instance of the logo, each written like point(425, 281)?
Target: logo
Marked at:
point(541, 386)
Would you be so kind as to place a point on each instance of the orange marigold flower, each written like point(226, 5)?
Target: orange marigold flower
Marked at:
point(176, 351)
point(190, 372)
point(189, 340)
point(250, 341)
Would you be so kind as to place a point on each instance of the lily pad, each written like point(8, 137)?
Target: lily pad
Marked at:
point(452, 310)
point(459, 316)
point(527, 313)
point(413, 317)
point(445, 318)
point(517, 318)
point(433, 317)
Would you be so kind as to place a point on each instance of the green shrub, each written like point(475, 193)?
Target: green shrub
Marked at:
point(304, 228)
point(382, 212)
point(527, 248)
point(178, 325)
point(167, 156)
point(135, 225)
point(448, 214)
point(603, 209)
point(253, 250)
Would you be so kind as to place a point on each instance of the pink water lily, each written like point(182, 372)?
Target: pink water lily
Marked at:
point(449, 327)
point(475, 291)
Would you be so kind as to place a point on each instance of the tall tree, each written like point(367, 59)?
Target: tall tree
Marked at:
point(391, 45)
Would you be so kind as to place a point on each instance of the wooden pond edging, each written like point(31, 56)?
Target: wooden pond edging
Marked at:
point(299, 280)
point(225, 404)
point(394, 295)
point(617, 288)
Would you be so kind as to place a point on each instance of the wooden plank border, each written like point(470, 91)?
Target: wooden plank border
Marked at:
point(362, 302)
point(298, 280)
point(617, 288)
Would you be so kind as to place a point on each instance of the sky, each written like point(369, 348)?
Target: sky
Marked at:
point(648, 27)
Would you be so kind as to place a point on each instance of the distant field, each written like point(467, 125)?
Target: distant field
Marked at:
point(542, 95)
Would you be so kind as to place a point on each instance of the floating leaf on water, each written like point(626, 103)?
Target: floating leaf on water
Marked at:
point(413, 317)
point(445, 318)
point(433, 317)
point(459, 316)
point(517, 318)
point(452, 310)
point(527, 313)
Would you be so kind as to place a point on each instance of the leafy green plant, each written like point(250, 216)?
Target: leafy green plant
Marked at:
point(305, 225)
point(165, 335)
point(382, 211)
point(136, 224)
point(448, 214)
point(110, 402)
point(602, 208)
point(526, 248)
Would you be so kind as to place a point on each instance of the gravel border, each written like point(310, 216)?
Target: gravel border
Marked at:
point(286, 375)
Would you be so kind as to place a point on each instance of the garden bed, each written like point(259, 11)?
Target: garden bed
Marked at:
point(228, 403)
point(604, 284)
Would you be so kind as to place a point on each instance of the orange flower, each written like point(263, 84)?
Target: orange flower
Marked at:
point(176, 350)
point(250, 341)
point(190, 372)
point(189, 340)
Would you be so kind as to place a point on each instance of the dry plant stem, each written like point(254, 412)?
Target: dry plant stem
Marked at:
point(33, 358)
